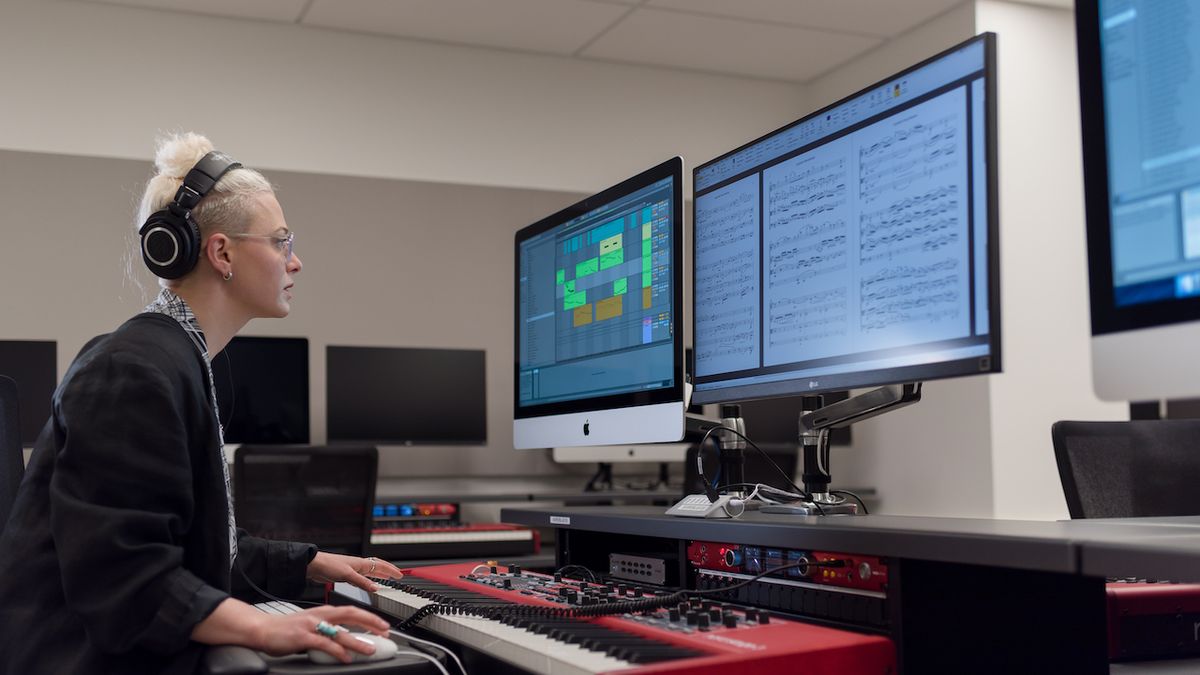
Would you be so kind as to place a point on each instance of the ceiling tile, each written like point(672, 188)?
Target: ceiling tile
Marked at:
point(270, 10)
point(726, 46)
point(885, 18)
point(548, 26)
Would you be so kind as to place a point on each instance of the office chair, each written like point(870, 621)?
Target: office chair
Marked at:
point(321, 495)
point(12, 463)
point(1129, 469)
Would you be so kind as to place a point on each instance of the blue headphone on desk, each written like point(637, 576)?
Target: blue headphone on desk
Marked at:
point(170, 237)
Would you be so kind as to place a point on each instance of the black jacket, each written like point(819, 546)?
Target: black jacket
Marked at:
point(118, 544)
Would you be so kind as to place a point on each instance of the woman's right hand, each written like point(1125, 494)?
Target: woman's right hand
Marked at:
point(279, 635)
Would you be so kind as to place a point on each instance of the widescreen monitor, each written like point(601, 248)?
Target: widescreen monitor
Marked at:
point(1139, 83)
point(262, 389)
point(598, 345)
point(406, 395)
point(33, 365)
point(857, 246)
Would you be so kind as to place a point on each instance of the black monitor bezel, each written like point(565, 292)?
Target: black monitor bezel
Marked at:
point(1106, 316)
point(924, 372)
point(672, 168)
point(337, 437)
point(264, 340)
point(35, 399)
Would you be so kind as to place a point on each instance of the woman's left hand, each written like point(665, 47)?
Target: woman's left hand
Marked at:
point(329, 567)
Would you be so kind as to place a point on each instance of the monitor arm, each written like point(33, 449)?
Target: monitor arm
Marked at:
point(816, 420)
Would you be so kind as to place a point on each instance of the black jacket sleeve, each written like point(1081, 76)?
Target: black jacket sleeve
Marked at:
point(277, 567)
point(121, 499)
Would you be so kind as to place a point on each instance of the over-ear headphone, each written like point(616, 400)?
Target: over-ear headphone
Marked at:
point(170, 237)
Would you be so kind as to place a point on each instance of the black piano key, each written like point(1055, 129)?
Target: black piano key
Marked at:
point(584, 633)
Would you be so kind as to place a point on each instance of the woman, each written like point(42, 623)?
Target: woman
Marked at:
point(121, 552)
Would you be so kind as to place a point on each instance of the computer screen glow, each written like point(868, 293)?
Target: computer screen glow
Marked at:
point(1151, 71)
point(852, 247)
point(595, 307)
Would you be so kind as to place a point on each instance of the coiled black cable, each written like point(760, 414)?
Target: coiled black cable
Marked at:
point(516, 611)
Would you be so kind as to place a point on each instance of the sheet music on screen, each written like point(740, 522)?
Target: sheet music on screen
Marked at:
point(854, 240)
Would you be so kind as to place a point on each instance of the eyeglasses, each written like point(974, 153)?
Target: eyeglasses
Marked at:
point(283, 244)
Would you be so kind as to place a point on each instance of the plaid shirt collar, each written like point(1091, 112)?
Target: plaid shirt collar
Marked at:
point(172, 305)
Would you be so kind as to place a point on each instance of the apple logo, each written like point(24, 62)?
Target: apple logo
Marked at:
point(586, 429)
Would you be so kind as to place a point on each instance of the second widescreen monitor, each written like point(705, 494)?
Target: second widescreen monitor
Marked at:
point(406, 396)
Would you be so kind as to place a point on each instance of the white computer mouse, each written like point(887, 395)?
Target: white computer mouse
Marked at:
point(384, 649)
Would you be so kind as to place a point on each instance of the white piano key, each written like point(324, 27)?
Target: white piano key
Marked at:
point(419, 537)
point(517, 646)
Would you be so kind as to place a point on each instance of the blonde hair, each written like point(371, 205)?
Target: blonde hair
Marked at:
point(226, 208)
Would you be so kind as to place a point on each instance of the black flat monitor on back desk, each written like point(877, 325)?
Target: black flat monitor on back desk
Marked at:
point(856, 247)
point(33, 365)
point(262, 389)
point(406, 395)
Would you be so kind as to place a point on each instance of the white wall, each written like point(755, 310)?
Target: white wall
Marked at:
point(915, 45)
point(100, 80)
point(1047, 367)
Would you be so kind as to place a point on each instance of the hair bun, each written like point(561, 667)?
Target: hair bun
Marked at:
point(178, 153)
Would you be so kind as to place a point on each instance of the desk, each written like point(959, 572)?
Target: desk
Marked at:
point(966, 595)
point(566, 489)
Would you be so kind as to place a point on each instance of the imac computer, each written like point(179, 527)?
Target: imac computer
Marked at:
point(598, 350)
point(856, 247)
point(1139, 84)
point(406, 395)
point(262, 390)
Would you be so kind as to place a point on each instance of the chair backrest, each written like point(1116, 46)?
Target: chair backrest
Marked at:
point(12, 463)
point(320, 495)
point(1129, 469)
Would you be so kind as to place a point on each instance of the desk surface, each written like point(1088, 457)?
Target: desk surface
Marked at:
point(524, 489)
point(1124, 547)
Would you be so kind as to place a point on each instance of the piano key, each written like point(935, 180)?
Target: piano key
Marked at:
point(421, 537)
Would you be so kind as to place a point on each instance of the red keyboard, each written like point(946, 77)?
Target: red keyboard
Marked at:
point(693, 637)
point(1153, 620)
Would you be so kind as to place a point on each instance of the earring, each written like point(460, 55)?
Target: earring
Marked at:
point(228, 276)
